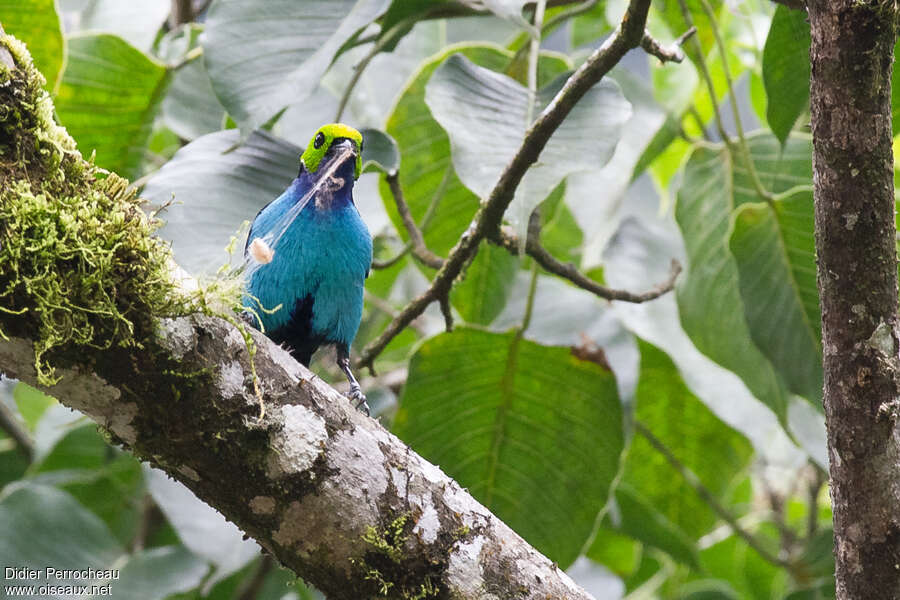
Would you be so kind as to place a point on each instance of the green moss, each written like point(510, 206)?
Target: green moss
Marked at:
point(387, 566)
point(80, 266)
point(388, 541)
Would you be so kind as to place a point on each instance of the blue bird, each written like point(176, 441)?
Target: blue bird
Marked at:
point(312, 253)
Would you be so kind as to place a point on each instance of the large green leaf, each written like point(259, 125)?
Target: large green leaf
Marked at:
point(774, 248)
point(532, 431)
point(709, 298)
point(785, 69)
point(695, 436)
point(486, 114)
point(482, 295)
point(45, 527)
point(427, 172)
point(108, 99)
point(37, 23)
point(214, 191)
point(190, 107)
point(263, 55)
point(135, 22)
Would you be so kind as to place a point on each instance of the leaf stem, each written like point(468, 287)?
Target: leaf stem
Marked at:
point(739, 126)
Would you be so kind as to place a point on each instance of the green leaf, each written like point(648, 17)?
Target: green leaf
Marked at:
point(200, 528)
point(215, 191)
point(464, 98)
point(533, 432)
point(158, 573)
point(36, 22)
point(746, 572)
point(660, 394)
point(709, 297)
point(265, 55)
point(380, 152)
point(427, 175)
point(108, 99)
point(774, 248)
point(620, 553)
point(137, 23)
point(785, 69)
point(45, 527)
point(591, 26)
point(639, 519)
point(482, 295)
point(190, 107)
point(31, 403)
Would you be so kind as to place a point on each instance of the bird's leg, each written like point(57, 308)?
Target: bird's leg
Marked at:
point(343, 361)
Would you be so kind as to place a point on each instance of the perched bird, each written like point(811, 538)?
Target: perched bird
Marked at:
point(310, 254)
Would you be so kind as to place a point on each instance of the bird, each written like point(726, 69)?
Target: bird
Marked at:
point(310, 253)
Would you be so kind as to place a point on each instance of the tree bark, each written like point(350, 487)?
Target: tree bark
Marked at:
point(850, 93)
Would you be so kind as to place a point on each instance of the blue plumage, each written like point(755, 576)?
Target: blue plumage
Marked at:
point(319, 265)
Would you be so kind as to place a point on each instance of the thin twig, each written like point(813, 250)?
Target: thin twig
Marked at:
point(669, 53)
point(691, 478)
point(489, 216)
point(14, 430)
point(444, 301)
point(390, 262)
point(704, 72)
point(542, 256)
point(419, 249)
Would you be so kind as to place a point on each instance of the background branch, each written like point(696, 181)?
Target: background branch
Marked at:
point(542, 256)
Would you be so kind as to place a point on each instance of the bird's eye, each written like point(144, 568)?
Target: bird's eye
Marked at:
point(320, 139)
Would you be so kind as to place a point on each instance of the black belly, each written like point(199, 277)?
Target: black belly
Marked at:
point(297, 333)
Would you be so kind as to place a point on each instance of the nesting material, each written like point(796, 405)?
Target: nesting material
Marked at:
point(261, 251)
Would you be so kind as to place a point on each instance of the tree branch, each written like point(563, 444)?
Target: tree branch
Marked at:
point(542, 256)
point(670, 53)
point(487, 220)
point(315, 482)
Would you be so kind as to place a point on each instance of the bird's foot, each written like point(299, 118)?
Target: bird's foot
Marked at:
point(359, 399)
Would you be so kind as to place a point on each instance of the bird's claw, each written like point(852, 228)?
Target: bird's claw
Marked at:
point(360, 399)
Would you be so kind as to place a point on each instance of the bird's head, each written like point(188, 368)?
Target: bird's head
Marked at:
point(326, 145)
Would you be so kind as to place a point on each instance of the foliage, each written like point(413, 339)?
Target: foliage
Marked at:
point(629, 438)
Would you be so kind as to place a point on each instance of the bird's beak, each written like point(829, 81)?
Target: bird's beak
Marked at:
point(348, 144)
